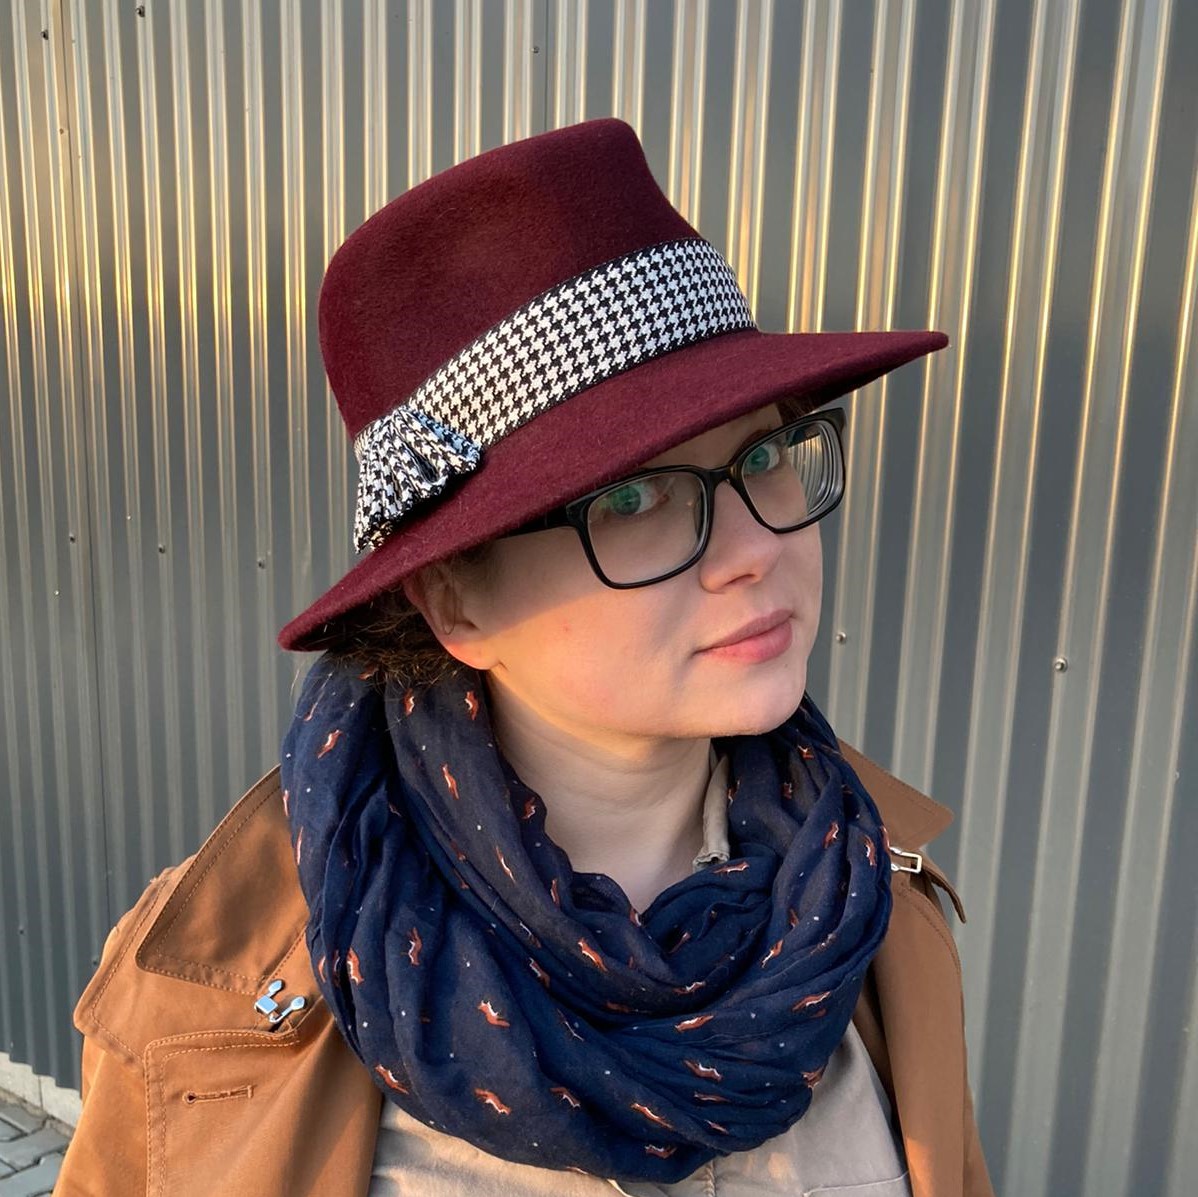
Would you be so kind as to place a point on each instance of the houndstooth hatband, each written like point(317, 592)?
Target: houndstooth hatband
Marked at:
point(588, 328)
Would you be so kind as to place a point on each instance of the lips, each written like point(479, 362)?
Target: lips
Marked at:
point(754, 628)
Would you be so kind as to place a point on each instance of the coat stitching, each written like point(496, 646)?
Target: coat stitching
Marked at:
point(253, 808)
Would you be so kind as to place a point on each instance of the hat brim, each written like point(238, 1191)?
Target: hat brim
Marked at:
point(607, 431)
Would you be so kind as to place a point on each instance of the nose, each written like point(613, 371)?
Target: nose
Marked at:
point(739, 547)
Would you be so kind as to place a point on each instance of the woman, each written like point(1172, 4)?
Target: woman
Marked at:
point(563, 883)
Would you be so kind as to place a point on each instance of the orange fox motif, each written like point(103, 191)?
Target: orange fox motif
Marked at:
point(557, 901)
point(330, 743)
point(409, 701)
point(566, 1023)
point(618, 1007)
point(389, 1078)
point(530, 809)
point(593, 956)
point(812, 999)
point(871, 854)
point(706, 1071)
point(715, 1126)
point(286, 796)
point(664, 1152)
point(450, 781)
point(771, 953)
point(414, 946)
point(492, 1099)
point(690, 988)
point(806, 753)
point(540, 974)
point(566, 1096)
point(299, 839)
point(732, 868)
point(634, 916)
point(791, 917)
point(885, 840)
point(689, 1024)
point(710, 1097)
point(492, 1015)
point(813, 1077)
point(354, 965)
point(648, 1113)
point(320, 967)
point(684, 937)
point(788, 790)
point(833, 831)
point(499, 857)
point(308, 716)
point(733, 788)
point(471, 703)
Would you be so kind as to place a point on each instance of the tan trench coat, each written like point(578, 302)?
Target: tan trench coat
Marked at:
point(187, 1092)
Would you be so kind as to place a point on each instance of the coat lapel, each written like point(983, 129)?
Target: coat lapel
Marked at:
point(910, 1015)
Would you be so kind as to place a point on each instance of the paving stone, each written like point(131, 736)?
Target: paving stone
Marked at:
point(20, 1117)
point(33, 1182)
point(20, 1153)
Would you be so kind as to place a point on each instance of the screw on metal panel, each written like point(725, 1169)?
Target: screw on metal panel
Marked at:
point(841, 637)
point(46, 35)
point(162, 548)
point(72, 536)
point(1060, 664)
point(141, 10)
point(261, 563)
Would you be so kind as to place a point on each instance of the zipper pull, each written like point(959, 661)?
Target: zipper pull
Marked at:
point(267, 1005)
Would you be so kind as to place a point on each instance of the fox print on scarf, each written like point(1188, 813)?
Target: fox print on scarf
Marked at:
point(503, 998)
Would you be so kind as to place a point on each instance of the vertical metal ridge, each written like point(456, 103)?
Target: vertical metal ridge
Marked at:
point(519, 30)
point(566, 65)
point(1119, 259)
point(334, 229)
point(812, 188)
point(257, 388)
point(420, 92)
point(189, 402)
point(628, 62)
point(688, 77)
point(961, 154)
point(750, 109)
point(235, 761)
point(375, 190)
point(1035, 232)
point(295, 307)
point(1157, 734)
point(881, 207)
point(467, 78)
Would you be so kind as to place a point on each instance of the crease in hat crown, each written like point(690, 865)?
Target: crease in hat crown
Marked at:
point(491, 278)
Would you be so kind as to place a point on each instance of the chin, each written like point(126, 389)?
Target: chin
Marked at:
point(753, 709)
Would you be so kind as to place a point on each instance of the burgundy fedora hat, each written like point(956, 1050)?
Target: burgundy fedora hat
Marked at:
point(528, 325)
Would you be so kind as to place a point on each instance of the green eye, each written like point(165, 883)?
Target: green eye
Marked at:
point(763, 458)
point(627, 500)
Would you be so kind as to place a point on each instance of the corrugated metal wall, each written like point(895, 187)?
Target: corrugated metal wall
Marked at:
point(1012, 578)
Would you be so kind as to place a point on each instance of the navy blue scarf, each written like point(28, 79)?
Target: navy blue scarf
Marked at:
point(505, 999)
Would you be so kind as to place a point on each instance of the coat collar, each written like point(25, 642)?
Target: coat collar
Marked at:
point(213, 922)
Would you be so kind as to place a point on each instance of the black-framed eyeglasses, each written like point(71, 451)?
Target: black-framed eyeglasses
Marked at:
point(657, 522)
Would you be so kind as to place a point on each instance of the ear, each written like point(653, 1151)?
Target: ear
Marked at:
point(436, 594)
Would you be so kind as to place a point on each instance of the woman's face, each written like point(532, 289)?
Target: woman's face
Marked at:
point(609, 664)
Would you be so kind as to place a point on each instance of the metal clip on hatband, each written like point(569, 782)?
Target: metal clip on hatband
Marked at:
point(267, 1005)
point(899, 868)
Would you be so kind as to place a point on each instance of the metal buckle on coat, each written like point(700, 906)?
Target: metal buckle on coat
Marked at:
point(899, 868)
point(267, 1005)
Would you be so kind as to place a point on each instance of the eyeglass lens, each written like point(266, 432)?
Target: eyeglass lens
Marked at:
point(650, 526)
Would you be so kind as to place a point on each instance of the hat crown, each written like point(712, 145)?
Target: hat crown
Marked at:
point(447, 260)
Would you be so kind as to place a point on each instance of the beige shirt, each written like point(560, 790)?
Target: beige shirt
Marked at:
point(847, 1141)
